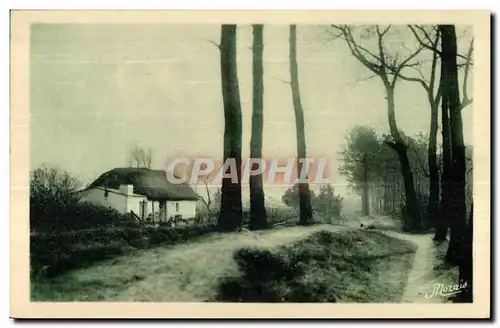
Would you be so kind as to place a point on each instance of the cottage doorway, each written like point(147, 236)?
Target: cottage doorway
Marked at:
point(143, 209)
point(163, 211)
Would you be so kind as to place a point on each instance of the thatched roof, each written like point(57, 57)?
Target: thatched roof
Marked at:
point(151, 183)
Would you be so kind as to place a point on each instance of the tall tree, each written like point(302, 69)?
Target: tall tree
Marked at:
point(458, 251)
point(304, 191)
point(446, 186)
point(433, 97)
point(388, 69)
point(429, 40)
point(258, 216)
point(359, 161)
point(231, 213)
point(366, 187)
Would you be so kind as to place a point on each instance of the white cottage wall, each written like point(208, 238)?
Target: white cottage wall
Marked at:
point(185, 208)
point(134, 204)
point(125, 203)
point(114, 199)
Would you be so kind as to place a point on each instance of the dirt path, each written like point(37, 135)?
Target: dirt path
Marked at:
point(427, 270)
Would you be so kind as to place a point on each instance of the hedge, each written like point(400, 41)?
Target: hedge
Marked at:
point(54, 253)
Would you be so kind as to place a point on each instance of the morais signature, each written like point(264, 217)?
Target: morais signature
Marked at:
point(442, 290)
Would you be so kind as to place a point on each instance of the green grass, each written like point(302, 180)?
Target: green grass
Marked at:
point(344, 266)
point(352, 266)
point(55, 253)
point(183, 272)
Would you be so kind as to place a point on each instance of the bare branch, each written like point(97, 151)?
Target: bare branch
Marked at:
point(421, 164)
point(355, 49)
point(466, 101)
point(363, 79)
point(463, 57)
point(381, 49)
point(140, 158)
point(212, 42)
point(434, 61)
point(424, 32)
point(405, 63)
point(281, 80)
point(428, 45)
point(416, 79)
point(207, 202)
point(209, 198)
point(429, 87)
point(384, 31)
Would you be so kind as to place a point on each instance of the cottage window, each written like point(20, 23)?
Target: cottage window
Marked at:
point(177, 207)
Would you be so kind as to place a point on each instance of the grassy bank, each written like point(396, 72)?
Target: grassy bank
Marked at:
point(186, 271)
point(344, 266)
point(52, 254)
point(317, 263)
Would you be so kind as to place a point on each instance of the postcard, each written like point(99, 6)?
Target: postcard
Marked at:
point(250, 164)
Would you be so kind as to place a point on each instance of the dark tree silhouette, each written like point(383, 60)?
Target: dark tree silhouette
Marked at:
point(258, 216)
point(231, 213)
point(459, 250)
point(304, 191)
point(438, 214)
point(443, 224)
point(388, 69)
point(433, 97)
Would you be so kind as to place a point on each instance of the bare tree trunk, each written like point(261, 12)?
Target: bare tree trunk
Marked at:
point(231, 214)
point(386, 198)
point(366, 190)
point(433, 98)
point(457, 203)
point(466, 265)
point(433, 201)
point(443, 220)
point(303, 186)
point(258, 217)
point(401, 149)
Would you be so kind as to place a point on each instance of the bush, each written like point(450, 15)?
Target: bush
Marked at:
point(76, 216)
point(327, 205)
point(321, 268)
point(284, 216)
point(274, 276)
point(55, 206)
point(55, 253)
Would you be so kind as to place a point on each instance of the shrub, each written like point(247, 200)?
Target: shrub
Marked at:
point(272, 276)
point(282, 216)
point(55, 206)
point(327, 205)
point(321, 268)
point(54, 253)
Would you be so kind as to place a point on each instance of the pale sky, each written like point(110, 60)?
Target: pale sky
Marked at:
point(99, 90)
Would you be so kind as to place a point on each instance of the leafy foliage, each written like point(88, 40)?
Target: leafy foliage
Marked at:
point(291, 196)
point(325, 202)
point(365, 149)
